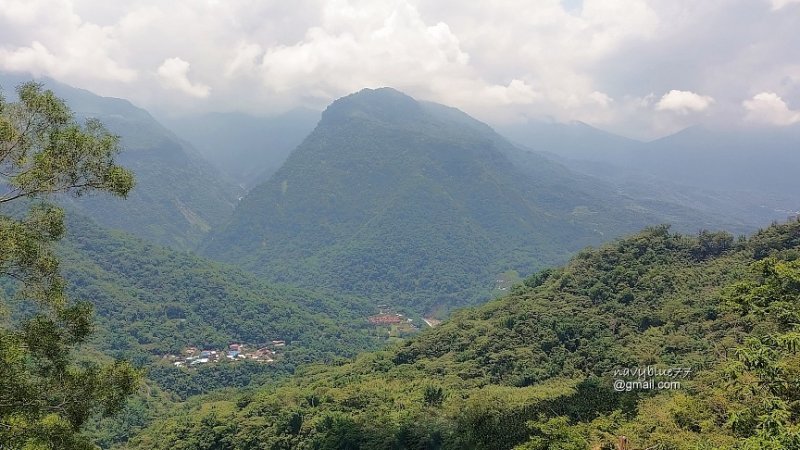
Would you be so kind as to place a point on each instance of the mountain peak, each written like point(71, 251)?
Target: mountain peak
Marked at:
point(381, 105)
point(389, 195)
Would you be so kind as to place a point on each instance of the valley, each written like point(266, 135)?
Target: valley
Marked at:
point(535, 369)
point(394, 273)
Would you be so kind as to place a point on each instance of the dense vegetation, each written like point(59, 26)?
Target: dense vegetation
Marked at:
point(534, 370)
point(418, 205)
point(155, 300)
point(150, 301)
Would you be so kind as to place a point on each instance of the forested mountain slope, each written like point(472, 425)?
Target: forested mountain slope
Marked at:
point(155, 300)
point(536, 369)
point(178, 197)
point(419, 205)
point(152, 301)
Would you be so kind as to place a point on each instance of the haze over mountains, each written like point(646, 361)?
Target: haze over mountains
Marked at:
point(247, 149)
point(181, 197)
point(745, 171)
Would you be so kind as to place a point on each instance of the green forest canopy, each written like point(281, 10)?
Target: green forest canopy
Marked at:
point(534, 370)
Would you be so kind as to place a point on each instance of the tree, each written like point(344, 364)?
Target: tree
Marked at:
point(712, 244)
point(45, 394)
point(765, 376)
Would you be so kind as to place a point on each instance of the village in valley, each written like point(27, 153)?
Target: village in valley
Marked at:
point(388, 322)
point(193, 356)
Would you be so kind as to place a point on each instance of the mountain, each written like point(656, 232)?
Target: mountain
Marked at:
point(561, 362)
point(741, 159)
point(744, 173)
point(745, 159)
point(178, 197)
point(247, 148)
point(573, 140)
point(419, 205)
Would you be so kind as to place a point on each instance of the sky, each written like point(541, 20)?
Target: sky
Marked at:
point(640, 68)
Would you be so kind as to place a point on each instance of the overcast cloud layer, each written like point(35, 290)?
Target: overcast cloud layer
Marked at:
point(642, 68)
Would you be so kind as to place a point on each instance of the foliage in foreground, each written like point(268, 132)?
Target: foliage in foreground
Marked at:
point(45, 396)
point(534, 370)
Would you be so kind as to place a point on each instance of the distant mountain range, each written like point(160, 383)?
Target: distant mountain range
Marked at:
point(750, 173)
point(573, 140)
point(758, 160)
point(180, 197)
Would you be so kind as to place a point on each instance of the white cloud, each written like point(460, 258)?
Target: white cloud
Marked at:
point(35, 58)
point(360, 44)
point(769, 108)
point(495, 60)
point(780, 4)
point(174, 73)
point(601, 99)
point(517, 92)
point(683, 102)
point(20, 11)
point(244, 59)
point(60, 44)
point(514, 54)
point(551, 47)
